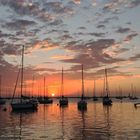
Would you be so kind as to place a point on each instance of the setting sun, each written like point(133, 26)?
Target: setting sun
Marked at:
point(53, 94)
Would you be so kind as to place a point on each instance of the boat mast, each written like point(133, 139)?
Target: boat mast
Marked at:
point(0, 85)
point(94, 91)
point(44, 86)
point(33, 86)
point(132, 90)
point(82, 83)
point(62, 85)
point(106, 84)
point(22, 72)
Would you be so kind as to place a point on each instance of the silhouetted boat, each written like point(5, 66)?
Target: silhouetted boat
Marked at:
point(45, 99)
point(2, 101)
point(23, 104)
point(120, 97)
point(63, 100)
point(133, 97)
point(82, 104)
point(106, 99)
point(94, 92)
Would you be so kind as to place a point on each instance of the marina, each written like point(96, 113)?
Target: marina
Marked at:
point(53, 122)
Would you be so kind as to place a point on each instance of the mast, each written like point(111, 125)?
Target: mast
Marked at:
point(82, 83)
point(94, 92)
point(132, 90)
point(106, 84)
point(62, 84)
point(22, 71)
point(0, 85)
point(32, 86)
point(44, 86)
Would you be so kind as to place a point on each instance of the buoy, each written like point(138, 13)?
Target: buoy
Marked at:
point(5, 109)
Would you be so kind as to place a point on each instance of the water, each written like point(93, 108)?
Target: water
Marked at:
point(121, 121)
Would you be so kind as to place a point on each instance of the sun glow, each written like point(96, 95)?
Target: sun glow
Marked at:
point(53, 94)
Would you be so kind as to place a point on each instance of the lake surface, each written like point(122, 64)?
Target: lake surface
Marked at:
point(121, 121)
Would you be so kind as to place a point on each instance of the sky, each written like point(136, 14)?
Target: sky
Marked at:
point(67, 33)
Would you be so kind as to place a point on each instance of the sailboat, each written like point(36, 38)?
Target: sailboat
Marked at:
point(133, 90)
point(63, 100)
point(120, 97)
point(94, 92)
point(106, 99)
point(45, 99)
point(2, 101)
point(23, 104)
point(82, 104)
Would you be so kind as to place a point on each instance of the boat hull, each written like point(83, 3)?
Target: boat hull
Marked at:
point(24, 106)
point(95, 99)
point(107, 101)
point(63, 102)
point(48, 101)
point(82, 105)
point(2, 102)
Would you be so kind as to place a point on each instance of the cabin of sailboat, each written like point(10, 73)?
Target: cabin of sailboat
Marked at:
point(63, 100)
point(82, 104)
point(22, 104)
point(106, 98)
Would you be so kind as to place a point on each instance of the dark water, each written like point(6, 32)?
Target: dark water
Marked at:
point(121, 121)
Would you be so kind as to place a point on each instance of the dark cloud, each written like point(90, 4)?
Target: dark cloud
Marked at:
point(57, 7)
point(121, 50)
point(130, 37)
point(56, 22)
point(107, 20)
point(91, 54)
point(100, 26)
point(19, 24)
point(135, 58)
point(92, 34)
point(134, 3)
point(82, 28)
point(123, 30)
point(65, 37)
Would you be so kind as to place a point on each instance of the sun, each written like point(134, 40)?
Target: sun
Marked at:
point(53, 94)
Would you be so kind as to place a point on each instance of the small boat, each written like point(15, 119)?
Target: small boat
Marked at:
point(106, 98)
point(133, 90)
point(63, 100)
point(94, 92)
point(120, 97)
point(2, 101)
point(23, 104)
point(45, 99)
point(82, 104)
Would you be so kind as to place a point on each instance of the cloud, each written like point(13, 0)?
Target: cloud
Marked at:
point(77, 1)
point(92, 54)
point(134, 3)
point(45, 44)
point(82, 28)
point(135, 58)
point(100, 26)
point(19, 24)
point(92, 34)
point(123, 30)
point(130, 37)
point(107, 20)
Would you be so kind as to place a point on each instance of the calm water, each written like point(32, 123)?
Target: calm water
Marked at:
point(121, 121)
